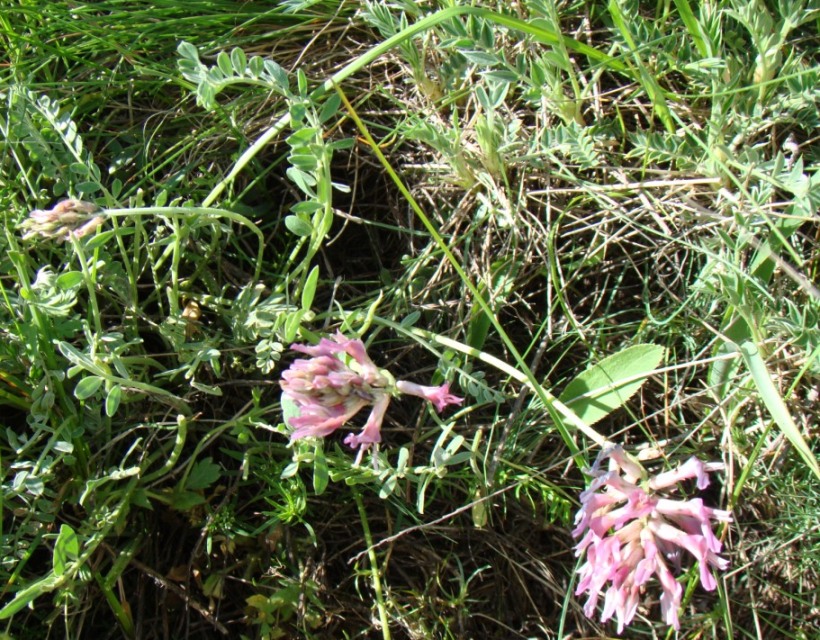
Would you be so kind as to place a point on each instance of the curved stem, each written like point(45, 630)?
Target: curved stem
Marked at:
point(198, 211)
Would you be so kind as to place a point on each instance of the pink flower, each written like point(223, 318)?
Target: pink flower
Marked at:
point(439, 396)
point(338, 381)
point(68, 218)
point(631, 533)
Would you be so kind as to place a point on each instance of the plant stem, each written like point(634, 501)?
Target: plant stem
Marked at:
point(374, 566)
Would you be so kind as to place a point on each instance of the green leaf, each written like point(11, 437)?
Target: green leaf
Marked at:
point(606, 386)
point(289, 409)
point(389, 487)
point(87, 387)
point(87, 188)
point(297, 226)
point(256, 66)
point(69, 280)
point(301, 81)
point(410, 319)
point(104, 236)
point(239, 61)
point(277, 74)
point(320, 471)
point(310, 288)
point(302, 179)
point(185, 500)
point(330, 107)
point(187, 50)
point(304, 162)
point(292, 325)
point(774, 403)
point(223, 61)
point(203, 474)
point(112, 401)
point(66, 549)
point(307, 207)
point(481, 58)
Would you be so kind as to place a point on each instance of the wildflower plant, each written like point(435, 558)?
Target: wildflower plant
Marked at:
point(339, 380)
point(631, 531)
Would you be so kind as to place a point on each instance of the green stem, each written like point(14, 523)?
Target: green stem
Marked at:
point(89, 283)
point(189, 212)
point(568, 415)
point(374, 566)
point(182, 433)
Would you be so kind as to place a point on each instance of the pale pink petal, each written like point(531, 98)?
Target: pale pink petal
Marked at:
point(670, 598)
point(632, 470)
point(439, 396)
point(371, 434)
point(692, 468)
point(316, 420)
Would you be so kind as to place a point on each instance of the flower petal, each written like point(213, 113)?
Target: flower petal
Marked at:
point(439, 396)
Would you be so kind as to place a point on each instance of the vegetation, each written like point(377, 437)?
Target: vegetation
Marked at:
point(596, 221)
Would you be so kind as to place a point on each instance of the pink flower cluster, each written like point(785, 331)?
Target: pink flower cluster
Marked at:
point(631, 533)
point(68, 218)
point(339, 380)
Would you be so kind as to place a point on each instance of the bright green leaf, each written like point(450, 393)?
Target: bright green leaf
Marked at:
point(239, 61)
point(187, 50)
point(330, 107)
point(66, 549)
point(24, 597)
point(87, 387)
point(223, 61)
point(297, 226)
point(608, 385)
point(309, 290)
point(112, 401)
point(320, 471)
point(69, 279)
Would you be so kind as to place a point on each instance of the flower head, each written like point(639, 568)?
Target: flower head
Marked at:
point(339, 380)
point(630, 532)
point(68, 218)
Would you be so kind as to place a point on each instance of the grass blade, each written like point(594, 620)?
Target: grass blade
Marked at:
point(774, 403)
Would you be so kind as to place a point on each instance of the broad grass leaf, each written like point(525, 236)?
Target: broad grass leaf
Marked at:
point(774, 403)
point(606, 386)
